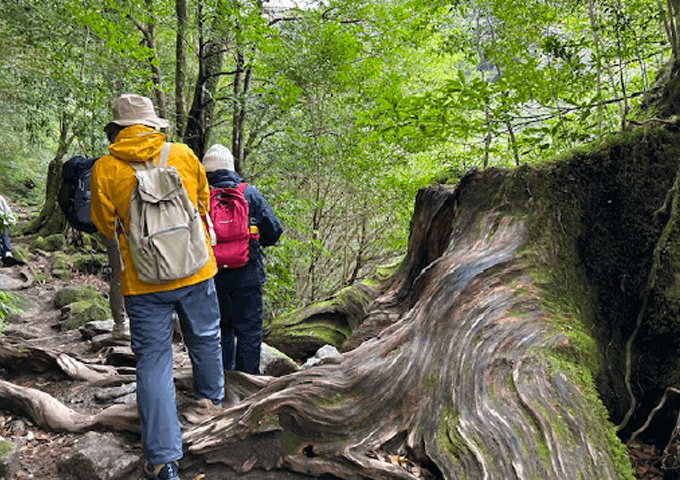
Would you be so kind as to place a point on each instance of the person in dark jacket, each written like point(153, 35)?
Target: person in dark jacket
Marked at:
point(239, 290)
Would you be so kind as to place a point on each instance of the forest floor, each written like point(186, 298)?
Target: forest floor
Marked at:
point(40, 451)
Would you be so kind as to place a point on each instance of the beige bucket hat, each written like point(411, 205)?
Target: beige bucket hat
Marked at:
point(130, 109)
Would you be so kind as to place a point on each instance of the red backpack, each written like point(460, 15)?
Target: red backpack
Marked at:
point(229, 216)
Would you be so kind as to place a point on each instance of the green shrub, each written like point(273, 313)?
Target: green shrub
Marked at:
point(11, 303)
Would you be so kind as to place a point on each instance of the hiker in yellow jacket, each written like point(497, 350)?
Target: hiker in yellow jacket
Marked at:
point(150, 305)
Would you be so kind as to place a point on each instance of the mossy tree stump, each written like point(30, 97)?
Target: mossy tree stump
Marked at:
point(487, 355)
point(51, 219)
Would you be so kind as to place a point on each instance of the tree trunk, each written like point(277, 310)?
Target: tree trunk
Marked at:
point(51, 219)
point(241, 89)
point(665, 97)
point(490, 354)
point(148, 32)
point(199, 119)
point(180, 66)
point(462, 385)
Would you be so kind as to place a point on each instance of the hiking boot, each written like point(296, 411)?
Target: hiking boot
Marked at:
point(167, 471)
point(9, 261)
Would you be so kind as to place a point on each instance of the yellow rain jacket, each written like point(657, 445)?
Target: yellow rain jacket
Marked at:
point(111, 185)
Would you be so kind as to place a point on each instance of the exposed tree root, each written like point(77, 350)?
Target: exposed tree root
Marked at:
point(467, 375)
point(658, 407)
point(651, 283)
point(52, 415)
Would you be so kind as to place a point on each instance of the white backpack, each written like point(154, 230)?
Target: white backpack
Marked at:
point(166, 236)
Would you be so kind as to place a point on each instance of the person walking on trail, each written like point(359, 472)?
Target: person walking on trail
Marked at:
point(7, 217)
point(240, 289)
point(74, 201)
point(150, 306)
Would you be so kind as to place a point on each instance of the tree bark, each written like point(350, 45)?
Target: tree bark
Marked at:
point(51, 219)
point(200, 117)
point(468, 377)
point(241, 89)
point(180, 66)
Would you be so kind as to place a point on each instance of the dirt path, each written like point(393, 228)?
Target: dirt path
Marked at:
point(39, 450)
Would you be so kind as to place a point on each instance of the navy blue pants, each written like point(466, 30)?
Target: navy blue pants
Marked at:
point(4, 244)
point(241, 312)
point(151, 339)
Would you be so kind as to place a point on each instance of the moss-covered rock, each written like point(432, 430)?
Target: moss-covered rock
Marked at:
point(60, 261)
point(302, 332)
point(79, 293)
point(275, 363)
point(84, 311)
point(89, 262)
point(61, 267)
point(52, 243)
point(62, 273)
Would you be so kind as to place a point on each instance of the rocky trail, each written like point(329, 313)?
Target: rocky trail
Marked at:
point(38, 453)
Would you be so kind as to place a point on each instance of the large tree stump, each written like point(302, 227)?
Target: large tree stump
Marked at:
point(472, 373)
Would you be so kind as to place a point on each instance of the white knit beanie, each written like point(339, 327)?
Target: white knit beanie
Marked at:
point(218, 157)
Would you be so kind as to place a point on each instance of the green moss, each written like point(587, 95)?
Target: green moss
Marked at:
point(336, 400)
point(84, 311)
point(598, 427)
point(388, 270)
point(5, 448)
point(290, 443)
point(70, 295)
point(89, 262)
point(481, 446)
point(21, 253)
point(449, 440)
point(540, 443)
point(269, 422)
point(60, 260)
point(326, 322)
point(52, 243)
point(430, 382)
point(62, 273)
point(321, 332)
point(255, 419)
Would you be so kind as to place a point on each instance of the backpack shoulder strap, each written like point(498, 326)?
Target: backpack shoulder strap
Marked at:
point(162, 160)
point(163, 157)
point(241, 187)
